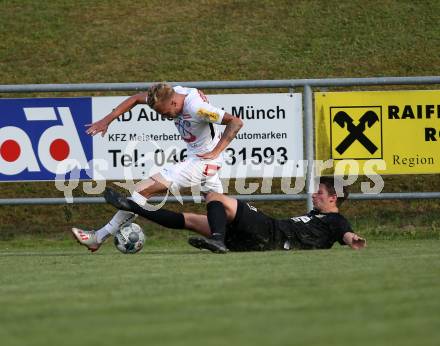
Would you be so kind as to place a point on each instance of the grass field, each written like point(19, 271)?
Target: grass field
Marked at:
point(170, 294)
point(118, 41)
point(52, 292)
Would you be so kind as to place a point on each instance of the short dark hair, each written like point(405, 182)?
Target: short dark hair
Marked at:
point(334, 186)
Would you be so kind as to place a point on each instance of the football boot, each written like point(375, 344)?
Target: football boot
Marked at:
point(213, 245)
point(86, 238)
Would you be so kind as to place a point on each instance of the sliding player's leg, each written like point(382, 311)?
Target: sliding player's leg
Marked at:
point(221, 210)
point(164, 217)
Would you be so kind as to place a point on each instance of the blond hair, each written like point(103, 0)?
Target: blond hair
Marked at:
point(158, 93)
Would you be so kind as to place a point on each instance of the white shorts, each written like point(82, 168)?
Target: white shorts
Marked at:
point(194, 172)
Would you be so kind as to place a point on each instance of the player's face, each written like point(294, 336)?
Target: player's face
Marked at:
point(168, 108)
point(322, 200)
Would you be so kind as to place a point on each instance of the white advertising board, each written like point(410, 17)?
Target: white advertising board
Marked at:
point(141, 142)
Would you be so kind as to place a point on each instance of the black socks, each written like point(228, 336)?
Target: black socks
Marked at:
point(163, 217)
point(217, 219)
point(170, 219)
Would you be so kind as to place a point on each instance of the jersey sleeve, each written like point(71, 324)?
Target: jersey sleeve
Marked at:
point(207, 112)
point(340, 226)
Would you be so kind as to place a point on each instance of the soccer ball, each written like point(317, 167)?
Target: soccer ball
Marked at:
point(129, 238)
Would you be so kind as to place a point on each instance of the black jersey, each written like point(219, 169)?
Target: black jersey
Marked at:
point(316, 230)
point(252, 230)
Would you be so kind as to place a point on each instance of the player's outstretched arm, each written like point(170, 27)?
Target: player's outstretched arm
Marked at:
point(355, 241)
point(233, 125)
point(101, 126)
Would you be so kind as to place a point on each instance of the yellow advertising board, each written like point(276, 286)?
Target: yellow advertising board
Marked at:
point(399, 128)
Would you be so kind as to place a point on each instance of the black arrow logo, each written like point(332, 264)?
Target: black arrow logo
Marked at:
point(356, 132)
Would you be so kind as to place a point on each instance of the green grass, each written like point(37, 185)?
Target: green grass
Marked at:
point(53, 292)
point(118, 41)
point(86, 41)
point(172, 295)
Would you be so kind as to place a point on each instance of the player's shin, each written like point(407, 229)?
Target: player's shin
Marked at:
point(163, 217)
point(217, 220)
point(121, 217)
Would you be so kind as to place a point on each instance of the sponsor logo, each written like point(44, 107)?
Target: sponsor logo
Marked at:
point(356, 132)
point(208, 115)
point(40, 138)
point(184, 128)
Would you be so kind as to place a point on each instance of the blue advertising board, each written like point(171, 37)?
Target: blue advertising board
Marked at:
point(42, 138)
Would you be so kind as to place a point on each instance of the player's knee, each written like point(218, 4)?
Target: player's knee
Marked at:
point(189, 220)
point(214, 196)
point(150, 187)
point(197, 223)
point(230, 204)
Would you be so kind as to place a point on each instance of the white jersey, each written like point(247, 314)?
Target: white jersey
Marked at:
point(196, 122)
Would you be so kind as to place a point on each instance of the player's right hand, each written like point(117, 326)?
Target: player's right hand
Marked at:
point(99, 126)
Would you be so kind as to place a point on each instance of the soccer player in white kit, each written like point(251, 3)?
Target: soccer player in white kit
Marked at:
point(194, 118)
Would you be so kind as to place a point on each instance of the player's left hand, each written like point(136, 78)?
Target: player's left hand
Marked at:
point(211, 155)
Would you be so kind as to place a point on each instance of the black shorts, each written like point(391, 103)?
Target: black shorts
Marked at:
point(251, 230)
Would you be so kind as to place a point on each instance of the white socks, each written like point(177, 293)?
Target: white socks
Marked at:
point(114, 224)
point(119, 219)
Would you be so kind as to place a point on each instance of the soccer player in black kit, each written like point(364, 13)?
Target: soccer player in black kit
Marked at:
point(237, 226)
